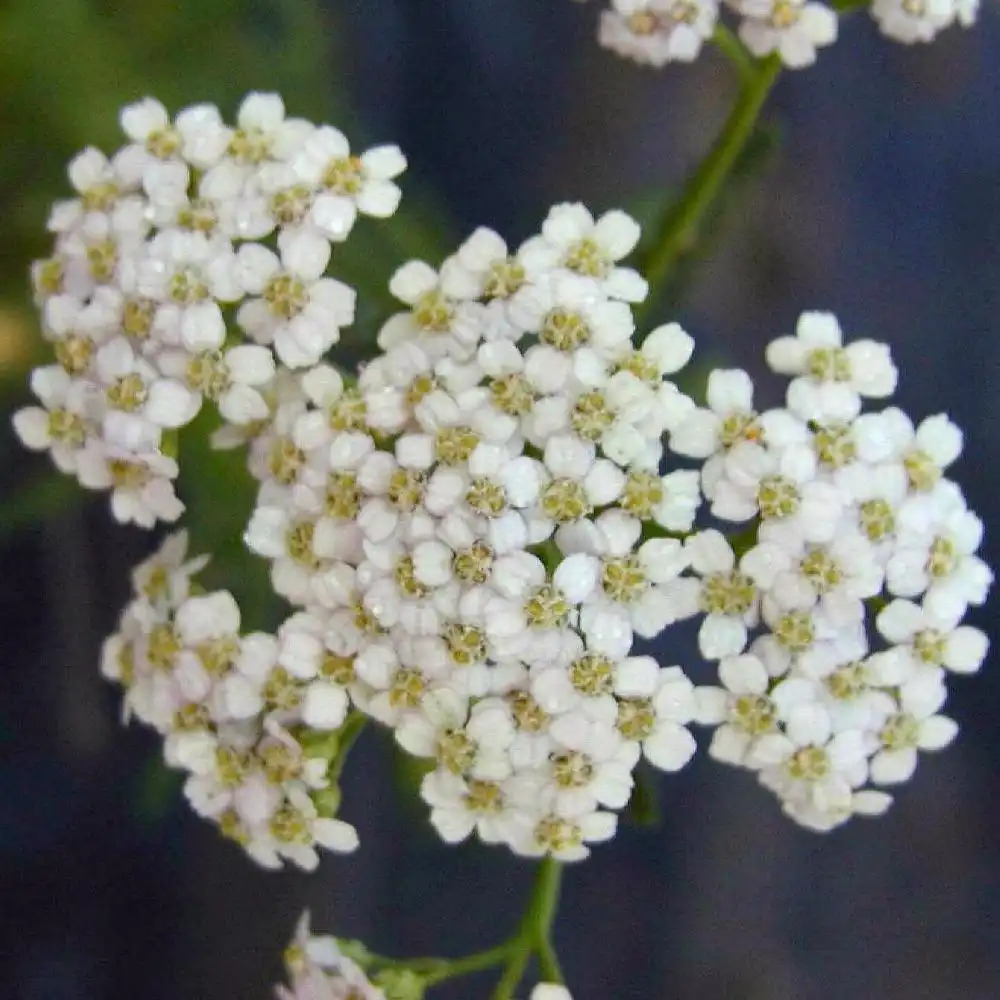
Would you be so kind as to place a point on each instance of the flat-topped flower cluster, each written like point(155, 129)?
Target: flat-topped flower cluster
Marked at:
point(656, 32)
point(478, 530)
point(854, 580)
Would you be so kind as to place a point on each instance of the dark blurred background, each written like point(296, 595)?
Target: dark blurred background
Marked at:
point(875, 193)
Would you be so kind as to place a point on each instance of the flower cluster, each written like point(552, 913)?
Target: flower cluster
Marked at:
point(477, 528)
point(475, 532)
point(192, 238)
point(230, 717)
point(656, 32)
point(851, 584)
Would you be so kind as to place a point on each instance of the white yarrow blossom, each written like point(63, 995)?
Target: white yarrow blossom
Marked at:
point(831, 378)
point(909, 22)
point(656, 32)
point(475, 530)
point(298, 310)
point(794, 29)
point(347, 184)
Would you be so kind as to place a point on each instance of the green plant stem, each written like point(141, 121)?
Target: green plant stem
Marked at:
point(532, 937)
point(346, 737)
point(680, 227)
point(735, 51)
point(535, 933)
point(453, 968)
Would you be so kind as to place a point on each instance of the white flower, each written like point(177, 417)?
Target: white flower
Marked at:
point(729, 419)
point(460, 806)
point(64, 421)
point(319, 971)
point(931, 638)
point(831, 378)
point(164, 579)
point(299, 311)
point(197, 135)
point(234, 378)
point(903, 735)
point(622, 579)
point(550, 991)
point(264, 134)
point(564, 837)
point(583, 772)
point(792, 28)
point(133, 386)
point(572, 239)
point(781, 484)
point(837, 576)
point(569, 312)
point(742, 710)
point(473, 744)
point(288, 538)
point(936, 538)
point(482, 267)
point(189, 274)
point(913, 22)
point(142, 490)
point(656, 32)
point(431, 319)
point(726, 593)
point(347, 184)
point(657, 714)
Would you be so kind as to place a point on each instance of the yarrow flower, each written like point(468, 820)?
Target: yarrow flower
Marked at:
point(477, 532)
point(157, 252)
point(230, 715)
point(851, 514)
point(494, 537)
point(657, 32)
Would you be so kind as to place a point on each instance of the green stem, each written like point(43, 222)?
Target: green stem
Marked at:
point(453, 968)
point(735, 51)
point(680, 227)
point(346, 737)
point(513, 973)
point(535, 933)
point(532, 937)
point(548, 963)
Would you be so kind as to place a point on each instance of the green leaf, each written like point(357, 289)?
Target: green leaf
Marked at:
point(157, 789)
point(643, 808)
point(219, 493)
point(44, 496)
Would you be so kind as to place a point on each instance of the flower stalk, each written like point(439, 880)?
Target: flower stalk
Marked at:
point(681, 225)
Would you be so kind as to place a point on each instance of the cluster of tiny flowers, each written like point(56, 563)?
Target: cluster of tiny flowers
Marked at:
point(193, 238)
point(320, 968)
point(477, 528)
point(235, 722)
point(656, 32)
point(836, 619)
